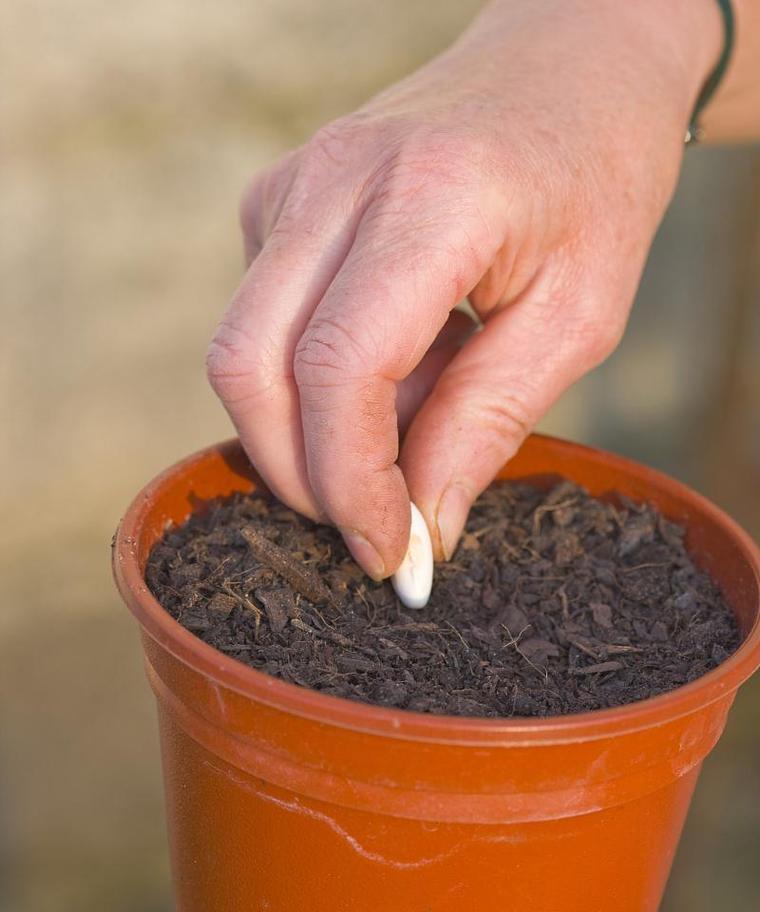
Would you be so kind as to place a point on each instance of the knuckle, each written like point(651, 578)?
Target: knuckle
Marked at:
point(333, 145)
point(607, 339)
point(427, 245)
point(224, 365)
point(592, 321)
point(500, 415)
point(504, 415)
point(595, 336)
point(235, 370)
point(327, 355)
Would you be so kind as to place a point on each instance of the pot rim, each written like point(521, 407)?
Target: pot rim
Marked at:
point(404, 724)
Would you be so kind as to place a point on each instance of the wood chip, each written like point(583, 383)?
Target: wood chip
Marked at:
point(602, 614)
point(281, 562)
point(276, 603)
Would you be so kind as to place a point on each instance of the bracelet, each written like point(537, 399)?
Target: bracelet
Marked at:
point(694, 132)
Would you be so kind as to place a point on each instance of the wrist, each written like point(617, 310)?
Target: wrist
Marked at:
point(694, 32)
point(678, 40)
point(701, 39)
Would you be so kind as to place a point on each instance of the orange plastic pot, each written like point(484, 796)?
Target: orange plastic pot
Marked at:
point(284, 799)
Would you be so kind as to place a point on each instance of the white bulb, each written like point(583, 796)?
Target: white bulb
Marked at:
point(414, 578)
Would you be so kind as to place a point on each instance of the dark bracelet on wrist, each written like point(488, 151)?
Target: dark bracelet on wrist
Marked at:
point(694, 132)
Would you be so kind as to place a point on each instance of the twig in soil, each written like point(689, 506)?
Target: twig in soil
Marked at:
point(246, 603)
point(324, 634)
point(549, 508)
point(360, 593)
point(583, 645)
point(459, 635)
point(542, 671)
point(515, 641)
point(301, 578)
point(332, 636)
point(643, 566)
point(218, 570)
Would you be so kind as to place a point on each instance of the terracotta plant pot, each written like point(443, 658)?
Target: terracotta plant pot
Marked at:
point(283, 799)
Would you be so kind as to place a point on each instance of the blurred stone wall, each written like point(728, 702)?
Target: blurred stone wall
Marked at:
point(128, 131)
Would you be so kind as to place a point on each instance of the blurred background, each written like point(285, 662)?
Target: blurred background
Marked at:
point(128, 132)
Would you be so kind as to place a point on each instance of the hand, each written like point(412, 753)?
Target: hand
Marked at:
point(527, 168)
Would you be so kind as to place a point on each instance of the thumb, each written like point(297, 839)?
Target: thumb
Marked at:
point(491, 395)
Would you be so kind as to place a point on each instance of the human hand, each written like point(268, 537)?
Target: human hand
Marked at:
point(527, 168)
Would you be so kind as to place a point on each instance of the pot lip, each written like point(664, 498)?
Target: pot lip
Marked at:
point(403, 724)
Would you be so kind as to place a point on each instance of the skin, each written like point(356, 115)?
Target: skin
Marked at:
point(527, 169)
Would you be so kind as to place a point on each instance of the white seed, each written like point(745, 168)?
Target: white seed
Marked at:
point(414, 578)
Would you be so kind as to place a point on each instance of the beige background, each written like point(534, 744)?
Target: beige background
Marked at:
point(128, 131)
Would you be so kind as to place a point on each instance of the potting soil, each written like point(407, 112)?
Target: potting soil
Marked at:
point(555, 602)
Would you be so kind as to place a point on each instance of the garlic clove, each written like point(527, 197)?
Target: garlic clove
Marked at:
point(414, 578)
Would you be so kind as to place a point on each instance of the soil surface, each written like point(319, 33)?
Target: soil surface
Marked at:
point(555, 602)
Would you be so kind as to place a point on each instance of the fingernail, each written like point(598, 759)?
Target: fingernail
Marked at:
point(450, 517)
point(364, 553)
